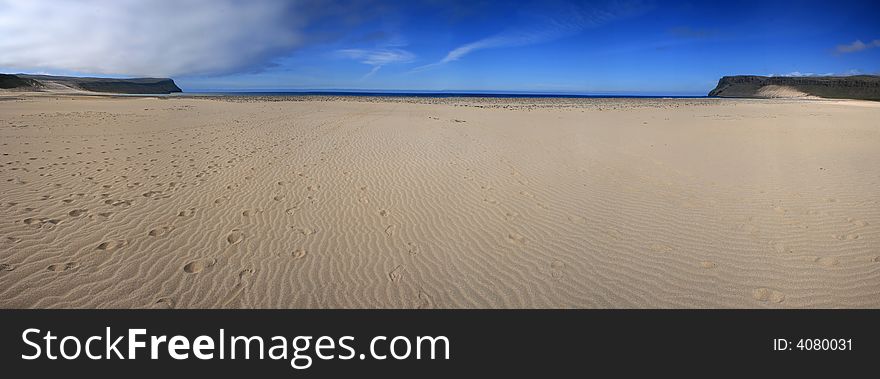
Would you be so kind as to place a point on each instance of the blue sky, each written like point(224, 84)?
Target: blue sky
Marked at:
point(608, 46)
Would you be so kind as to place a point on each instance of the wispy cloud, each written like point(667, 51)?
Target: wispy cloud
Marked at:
point(507, 39)
point(377, 57)
point(856, 46)
point(813, 74)
point(803, 74)
point(571, 20)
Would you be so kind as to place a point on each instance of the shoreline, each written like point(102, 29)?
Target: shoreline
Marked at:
point(433, 97)
point(393, 96)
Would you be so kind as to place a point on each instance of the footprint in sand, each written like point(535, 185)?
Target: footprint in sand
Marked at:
point(299, 254)
point(198, 265)
point(557, 269)
point(164, 303)
point(159, 232)
point(708, 264)
point(244, 274)
point(577, 220)
point(766, 295)
point(827, 261)
point(516, 238)
point(612, 233)
point(278, 198)
point(111, 245)
point(779, 247)
point(151, 193)
point(234, 237)
point(846, 237)
point(250, 212)
point(305, 231)
point(61, 267)
point(186, 213)
point(396, 275)
point(857, 223)
point(77, 212)
point(748, 228)
point(118, 203)
point(30, 221)
point(239, 287)
point(389, 230)
point(661, 248)
point(40, 222)
point(383, 212)
point(6, 267)
point(413, 248)
point(423, 301)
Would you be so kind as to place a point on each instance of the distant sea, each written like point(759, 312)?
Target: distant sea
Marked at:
point(434, 94)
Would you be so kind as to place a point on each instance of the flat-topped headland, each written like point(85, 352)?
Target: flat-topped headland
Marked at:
point(70, 84)
point(860, 87)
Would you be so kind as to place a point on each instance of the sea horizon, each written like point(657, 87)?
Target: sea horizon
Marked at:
point(438, 94)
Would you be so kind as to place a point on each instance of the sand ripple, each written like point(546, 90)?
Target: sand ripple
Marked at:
point(198, 203)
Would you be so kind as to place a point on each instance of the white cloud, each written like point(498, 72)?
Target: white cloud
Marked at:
point(857, 45)
point(813, 74)
point(147, 38)
point(805, 74)
point(377, 57)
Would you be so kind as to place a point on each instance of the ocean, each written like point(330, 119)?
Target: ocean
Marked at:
point(434, 94)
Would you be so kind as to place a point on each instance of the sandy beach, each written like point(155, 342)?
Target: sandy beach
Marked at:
point(323, 202)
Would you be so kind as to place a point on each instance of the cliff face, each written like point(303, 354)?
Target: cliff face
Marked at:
point(13, 82)
point(105, 85)
point(865, 87)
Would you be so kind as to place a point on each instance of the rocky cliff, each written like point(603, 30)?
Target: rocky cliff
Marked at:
point(13, 81)
point(104, 85)
point(865, 87)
